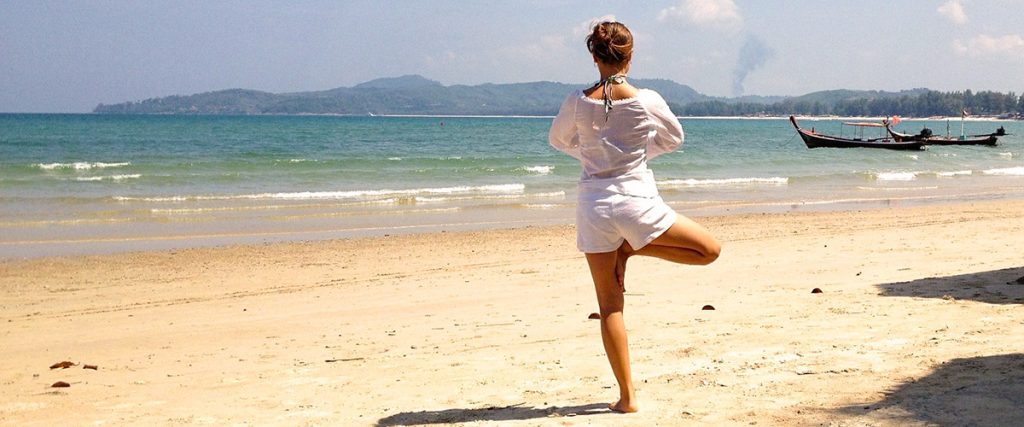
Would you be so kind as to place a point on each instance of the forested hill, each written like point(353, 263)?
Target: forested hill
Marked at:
point(418, 95)
point(399, 95)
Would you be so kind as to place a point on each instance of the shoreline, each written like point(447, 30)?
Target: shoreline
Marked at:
point(464, 219)
point(491, 327)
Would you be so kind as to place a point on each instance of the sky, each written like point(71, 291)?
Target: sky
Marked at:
point(69, 56)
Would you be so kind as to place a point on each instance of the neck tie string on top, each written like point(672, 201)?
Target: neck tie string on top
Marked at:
point(607, 83)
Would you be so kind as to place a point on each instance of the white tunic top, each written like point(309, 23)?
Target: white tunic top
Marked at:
point(614, 152)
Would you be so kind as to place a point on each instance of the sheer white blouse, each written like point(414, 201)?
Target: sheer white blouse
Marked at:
point(614, 151)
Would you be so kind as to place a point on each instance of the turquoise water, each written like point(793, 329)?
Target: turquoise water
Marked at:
point(81, 183)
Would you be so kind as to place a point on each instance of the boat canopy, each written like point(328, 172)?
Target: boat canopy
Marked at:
point(864, 124)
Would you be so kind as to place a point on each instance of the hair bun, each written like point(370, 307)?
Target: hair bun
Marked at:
point(611, 43)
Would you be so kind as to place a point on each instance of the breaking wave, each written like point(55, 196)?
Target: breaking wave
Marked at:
point(722, 182)
point(498, 189)
point(81, 165)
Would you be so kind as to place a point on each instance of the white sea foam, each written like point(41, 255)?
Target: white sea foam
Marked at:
point(81, 165)
point(447, 199)
point(1008, 155)
point(190, 211)
point(108, 178)
point(542, 206)
point(360, 194)
point(187, 211)
point(539, 170)
point(1017, 171)
point(953, 173)
point(382, 212)
point(722, 182)
point(152, 199)
point(395, 159)
point(896, 176)
point(497, 189)
point(912, 156)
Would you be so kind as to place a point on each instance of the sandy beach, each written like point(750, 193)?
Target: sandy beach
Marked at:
point(920, 322)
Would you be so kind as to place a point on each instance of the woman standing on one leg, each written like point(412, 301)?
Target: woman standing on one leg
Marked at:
point(613, 128)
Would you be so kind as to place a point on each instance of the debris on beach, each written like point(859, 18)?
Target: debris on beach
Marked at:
point(93, 367)
point(708, 307)
point(60, 384)
point(594, 316)
point(502, 408)
point(350, 359)
point(816, 291)
point(62, 365)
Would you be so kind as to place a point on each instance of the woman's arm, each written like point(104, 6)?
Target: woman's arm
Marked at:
point(563, 134)
point(668, 133)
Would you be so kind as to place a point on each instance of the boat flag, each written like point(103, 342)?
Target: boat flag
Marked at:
point(895, 120)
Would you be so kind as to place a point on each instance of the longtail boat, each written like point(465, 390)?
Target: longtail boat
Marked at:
point(814, 140)
point(928, 138)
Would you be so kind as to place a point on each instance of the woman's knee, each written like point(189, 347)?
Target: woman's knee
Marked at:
point(610, 298)
point(711, 252)
point(610, 308)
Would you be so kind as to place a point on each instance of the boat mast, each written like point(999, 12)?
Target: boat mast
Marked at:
point(963, 113)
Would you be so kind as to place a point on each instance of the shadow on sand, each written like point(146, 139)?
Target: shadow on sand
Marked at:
point(976, 391)
point(994, 287)
point(503, 413)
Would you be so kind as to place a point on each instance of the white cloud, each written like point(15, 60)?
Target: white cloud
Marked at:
point(544, 46)
point(720, 14)
point(560, 56)
point(557, 45)
point(954, 11)
point(584, 28)
point(1010, 45)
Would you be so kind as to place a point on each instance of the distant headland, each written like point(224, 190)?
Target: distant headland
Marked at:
point(417, 95)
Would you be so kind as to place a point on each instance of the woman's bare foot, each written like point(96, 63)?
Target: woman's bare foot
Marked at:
point(624, 408)
point(624, 252)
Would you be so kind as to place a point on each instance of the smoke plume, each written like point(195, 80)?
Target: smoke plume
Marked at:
point(753, 54)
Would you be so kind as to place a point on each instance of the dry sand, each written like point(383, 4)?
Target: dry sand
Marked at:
point(921, 321)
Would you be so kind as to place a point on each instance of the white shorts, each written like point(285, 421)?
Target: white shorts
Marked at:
point(604, 220)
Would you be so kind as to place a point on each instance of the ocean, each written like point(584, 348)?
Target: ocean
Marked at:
point(80, 184)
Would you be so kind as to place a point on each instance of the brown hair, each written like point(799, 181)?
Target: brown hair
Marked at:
point(611, 43)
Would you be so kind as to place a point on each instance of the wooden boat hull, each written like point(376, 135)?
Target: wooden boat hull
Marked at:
point(990, 140)
point(814, 140)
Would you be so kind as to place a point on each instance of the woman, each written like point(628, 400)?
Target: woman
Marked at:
point(613, 128)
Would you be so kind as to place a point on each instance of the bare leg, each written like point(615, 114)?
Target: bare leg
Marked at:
point(622, 255)
point(613, 328)
point(686, 242)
